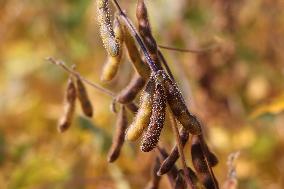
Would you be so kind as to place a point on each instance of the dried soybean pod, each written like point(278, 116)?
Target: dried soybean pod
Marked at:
point(172, 174)
point(111, 43)
point(118, 137)
point(155, 179)
point(201, 165)
point(83, 97)
point(111, 67)
point(142, 118)
point(170, 161)
point(152, 135)
point(129, 93)
point(145, 32)
point(178, 106)
point(134, 55)
point(69, 106)
point(211, 157)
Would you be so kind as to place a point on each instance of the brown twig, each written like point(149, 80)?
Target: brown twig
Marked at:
point(180, 149)
point(71, 71)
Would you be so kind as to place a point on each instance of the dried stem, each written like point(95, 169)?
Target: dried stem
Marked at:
point(132, 29)
point(180, 149)
point(188, 50)
point(76, 74)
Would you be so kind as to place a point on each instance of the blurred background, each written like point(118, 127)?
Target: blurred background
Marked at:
point(236, 89)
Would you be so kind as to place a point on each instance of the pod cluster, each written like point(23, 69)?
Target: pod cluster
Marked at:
point(75, 89)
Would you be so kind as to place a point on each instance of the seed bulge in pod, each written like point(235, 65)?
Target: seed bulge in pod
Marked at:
point(202, 165)
point(69, 106)
point(152, 135)
point(111, 67)
point(142, 118)
point(178, 106)
point(83, 97)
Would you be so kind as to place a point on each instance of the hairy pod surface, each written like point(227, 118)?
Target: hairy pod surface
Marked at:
point(142, 118)
point(83, 97)
point(129, 93)
point(178, 106)
point(155, 179)
point(112, 65)
point(152, 135)
point(202, 165)
point(138, 63)
point(118, 137)
point(170, 161)
point(69, 106)
point(111, 43)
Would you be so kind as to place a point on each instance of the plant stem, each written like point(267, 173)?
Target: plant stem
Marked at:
point(76, 74)
point(180, 149)
point(133, 31)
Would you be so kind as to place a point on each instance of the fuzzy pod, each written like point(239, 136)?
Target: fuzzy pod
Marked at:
point(145, 32)
point(112, 65)
point(178, 106)
point(152, 135)
point(155, 179)
point(137, 61)
point(202, 165)
point(129, 93)
point(170, 161)
point(110, 41)
point(69, 106)
point(142, 118)
point(118, 137)
point(83, 97)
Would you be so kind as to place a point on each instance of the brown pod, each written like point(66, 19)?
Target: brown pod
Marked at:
point(152, 135)
point(170, 161)
point(201, 165)
point(142, 118)
point(210, 156)
point(173, 172)
point(138, 63)
point(69, 106)
point(118, 137)
point(145, 32)
point(129, 93)
point(155, 179)
point(178, 106)
point(83, 97)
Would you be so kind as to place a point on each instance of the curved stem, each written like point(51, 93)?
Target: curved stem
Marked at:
point(180, 149)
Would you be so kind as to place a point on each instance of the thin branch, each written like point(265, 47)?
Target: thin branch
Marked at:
point(76, 74)
point(180, 149)
point(133, 31)
point(188, 50)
